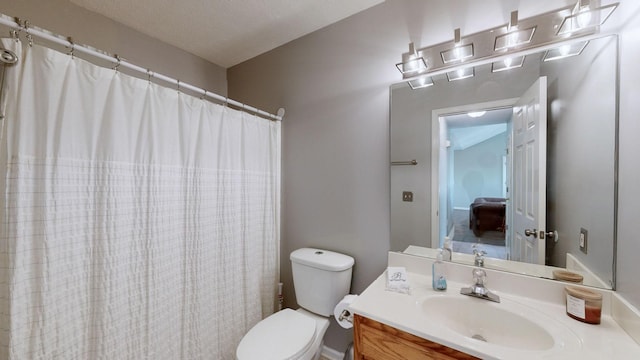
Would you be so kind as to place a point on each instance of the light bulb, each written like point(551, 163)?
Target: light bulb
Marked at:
point(512, 39)
point(460, 72)
point(564, 50)
point(412, 65)
point(584, 17)
point(507, 62)
point(457, 54)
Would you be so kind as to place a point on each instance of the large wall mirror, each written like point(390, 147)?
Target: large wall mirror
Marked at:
point(518, 164)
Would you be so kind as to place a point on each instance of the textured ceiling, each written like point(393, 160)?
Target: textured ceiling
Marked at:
point(226, 32)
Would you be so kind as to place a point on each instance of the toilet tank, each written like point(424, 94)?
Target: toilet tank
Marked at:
point(321, 278)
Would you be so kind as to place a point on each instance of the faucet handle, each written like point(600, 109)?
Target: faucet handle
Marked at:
point(479, 256)
point(479, 276)
point(478, 253)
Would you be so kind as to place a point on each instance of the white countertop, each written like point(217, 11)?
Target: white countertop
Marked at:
point(605, 341)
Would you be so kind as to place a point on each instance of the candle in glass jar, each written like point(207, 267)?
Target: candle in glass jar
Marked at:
point(583, 304)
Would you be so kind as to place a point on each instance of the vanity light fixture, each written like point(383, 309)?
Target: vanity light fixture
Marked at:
point(565, 51)
point(514, 36)
point(511, 43)
point(421, 82)
point(412, 63)
point(507, 64)
point(459, 52)
point(583, 17)
point(460, 74)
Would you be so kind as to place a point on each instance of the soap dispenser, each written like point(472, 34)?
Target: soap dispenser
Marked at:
point(438, 278)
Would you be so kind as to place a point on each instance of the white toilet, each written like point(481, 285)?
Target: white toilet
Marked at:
point(321, 279)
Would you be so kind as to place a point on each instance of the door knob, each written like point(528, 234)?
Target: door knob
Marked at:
point(553, 235)
point(533, 233)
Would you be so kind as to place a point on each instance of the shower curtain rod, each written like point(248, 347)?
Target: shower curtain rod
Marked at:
point(16, 24)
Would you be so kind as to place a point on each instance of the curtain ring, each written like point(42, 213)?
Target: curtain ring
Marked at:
point(178, 85)
point(204, 95)
point(149, 75)
point(16, 32)
point(118, 60)
point(73, 47)
point(26, 30)
point(14, 35)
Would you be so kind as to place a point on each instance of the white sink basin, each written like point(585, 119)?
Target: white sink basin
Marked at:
point(507, 324)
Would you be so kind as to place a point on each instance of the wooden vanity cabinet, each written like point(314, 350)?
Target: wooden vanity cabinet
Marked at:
point(377, 341)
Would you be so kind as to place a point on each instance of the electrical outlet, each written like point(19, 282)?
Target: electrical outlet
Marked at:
point(407, 196)
point(583, 240)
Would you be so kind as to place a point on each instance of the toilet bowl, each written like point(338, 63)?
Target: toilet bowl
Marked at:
point(321, 279)
point(285, 335)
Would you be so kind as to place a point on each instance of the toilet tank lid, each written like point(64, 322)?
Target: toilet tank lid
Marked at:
point(322, 259)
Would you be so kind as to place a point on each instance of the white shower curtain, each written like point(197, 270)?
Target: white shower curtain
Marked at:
point(137, 222)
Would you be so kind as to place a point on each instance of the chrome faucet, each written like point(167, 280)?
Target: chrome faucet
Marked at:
point(479, 259)
point(478, 288)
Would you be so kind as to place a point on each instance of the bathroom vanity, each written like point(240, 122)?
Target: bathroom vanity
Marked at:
point(530, 322)
point(375, 340)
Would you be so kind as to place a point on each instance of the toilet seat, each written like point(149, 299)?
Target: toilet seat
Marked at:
point(284, 335)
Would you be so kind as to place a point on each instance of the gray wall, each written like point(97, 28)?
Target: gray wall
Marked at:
point(85, 27)
point(581, 146)
point(334, 85)
point(478, 171)
point(628, 250)
point(410, 224)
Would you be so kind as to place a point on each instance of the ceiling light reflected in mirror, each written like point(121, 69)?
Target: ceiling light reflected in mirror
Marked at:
point(507, 64)
point(421, 82)
point(476, 114)
point(565, 51)
point(460, 74)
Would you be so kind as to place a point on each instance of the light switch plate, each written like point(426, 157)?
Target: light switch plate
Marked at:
point(583, 240)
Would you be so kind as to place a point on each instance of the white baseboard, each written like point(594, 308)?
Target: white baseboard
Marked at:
point(331, 354)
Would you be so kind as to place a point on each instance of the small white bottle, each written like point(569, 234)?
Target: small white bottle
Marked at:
point(438, 278)
point(446, 250)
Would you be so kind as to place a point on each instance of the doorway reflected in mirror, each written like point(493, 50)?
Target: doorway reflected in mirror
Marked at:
point(476, 180)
